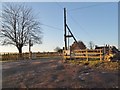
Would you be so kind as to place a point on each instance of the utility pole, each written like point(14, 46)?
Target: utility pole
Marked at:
point(30, 45)
point(69, 31)
point(71, 34)
point(30, 53)
point(65, 39)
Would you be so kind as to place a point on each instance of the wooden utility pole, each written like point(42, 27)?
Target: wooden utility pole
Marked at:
point(71, 34)
point(29, 45)
point(65, 39)
point(65, 32)
point(30, 52)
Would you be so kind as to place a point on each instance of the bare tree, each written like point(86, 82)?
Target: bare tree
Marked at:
point(78, 45)
point(19, 26)
point(57, 49)
point(91, 45)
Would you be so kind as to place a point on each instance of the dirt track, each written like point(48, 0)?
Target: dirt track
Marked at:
point(55, 74)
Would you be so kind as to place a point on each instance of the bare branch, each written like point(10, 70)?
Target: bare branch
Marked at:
point(19, 25)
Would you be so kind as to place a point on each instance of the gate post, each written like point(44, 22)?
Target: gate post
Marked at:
point(86, 54)
point(100, 55)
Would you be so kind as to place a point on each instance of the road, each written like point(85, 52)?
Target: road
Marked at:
point(49, 73)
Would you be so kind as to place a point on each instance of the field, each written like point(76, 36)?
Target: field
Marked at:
point(53, 73)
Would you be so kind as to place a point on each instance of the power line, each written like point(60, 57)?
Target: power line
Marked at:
point(73, 18)
point(80, 26)
point(75, 9)
point(59, 5)
point(52, 27)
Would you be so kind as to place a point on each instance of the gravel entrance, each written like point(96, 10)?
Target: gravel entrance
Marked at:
point(55, 74)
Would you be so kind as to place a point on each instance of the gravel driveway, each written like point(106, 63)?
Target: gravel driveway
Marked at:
point(55, 74)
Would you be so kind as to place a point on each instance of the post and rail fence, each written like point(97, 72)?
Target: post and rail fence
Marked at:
point(86, 54)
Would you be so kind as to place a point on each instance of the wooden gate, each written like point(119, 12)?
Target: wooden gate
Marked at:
point(83, 54)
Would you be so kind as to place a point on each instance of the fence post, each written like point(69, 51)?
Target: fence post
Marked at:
point(100, 55)
point(86, 54)
point(30, 55)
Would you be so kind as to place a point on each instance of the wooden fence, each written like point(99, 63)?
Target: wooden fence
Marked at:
point(27, 56)
point(76, 54)
point(84, 54)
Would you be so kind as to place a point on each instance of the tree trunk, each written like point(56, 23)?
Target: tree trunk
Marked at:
point(20, 53)
point(20, 50)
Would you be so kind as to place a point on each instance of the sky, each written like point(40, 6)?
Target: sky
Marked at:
point(88, 21)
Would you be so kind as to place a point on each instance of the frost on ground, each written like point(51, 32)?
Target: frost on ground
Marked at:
point(55, 74)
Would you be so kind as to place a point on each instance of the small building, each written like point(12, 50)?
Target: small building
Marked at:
point(108, 48)
point(105, 48)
